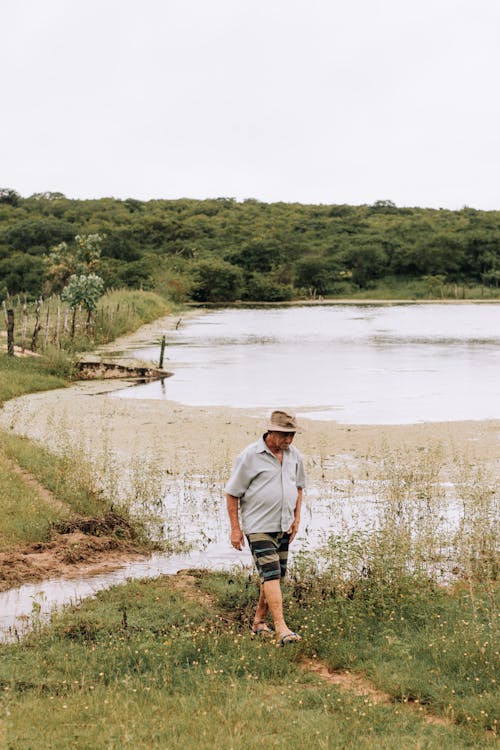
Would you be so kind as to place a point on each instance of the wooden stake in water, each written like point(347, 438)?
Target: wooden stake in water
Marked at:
point(162, 351)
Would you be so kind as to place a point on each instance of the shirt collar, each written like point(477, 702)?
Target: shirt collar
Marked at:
point(262, 447)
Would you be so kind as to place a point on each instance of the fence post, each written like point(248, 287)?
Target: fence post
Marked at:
point(38, 325)
point(24, 330)
point(55, 337)
point(46, 335)
point(10, 332)
point(162, 351)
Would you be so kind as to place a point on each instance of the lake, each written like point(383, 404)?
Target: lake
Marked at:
point(356, 364)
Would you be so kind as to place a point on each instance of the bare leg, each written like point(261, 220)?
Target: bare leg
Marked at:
point(262, 609)
point(274, 599)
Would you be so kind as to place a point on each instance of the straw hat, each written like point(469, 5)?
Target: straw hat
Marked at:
point(281, 421)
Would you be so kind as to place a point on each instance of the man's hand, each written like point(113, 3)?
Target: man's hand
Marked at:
point(293, 530)
point(237, 538)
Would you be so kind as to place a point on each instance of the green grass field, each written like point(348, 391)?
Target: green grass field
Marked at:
point(146, 665)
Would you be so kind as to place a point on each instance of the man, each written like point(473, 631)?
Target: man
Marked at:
point(266, 488)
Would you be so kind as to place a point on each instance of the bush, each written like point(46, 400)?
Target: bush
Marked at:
point(216, 280)
point(260, 287)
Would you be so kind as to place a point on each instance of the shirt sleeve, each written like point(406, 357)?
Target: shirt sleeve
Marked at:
point(240, 478)
point(301, 474)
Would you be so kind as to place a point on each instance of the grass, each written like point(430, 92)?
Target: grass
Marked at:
point(143, 665)
point(125, 310)
point(24, 515)
point(417, 289)
point(80, 502)
point(19, 376)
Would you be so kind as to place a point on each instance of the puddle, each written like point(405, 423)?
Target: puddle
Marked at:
point(23, 607)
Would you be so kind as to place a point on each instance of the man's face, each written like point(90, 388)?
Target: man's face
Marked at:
point(280, 440)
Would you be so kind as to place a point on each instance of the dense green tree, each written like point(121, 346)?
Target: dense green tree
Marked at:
point(316, 274)
point(443, 253)
point(257, 256)
point(366, 262)
point(262, 287)
point(9, 196)
point(21, 272)
point(24, 235)
point(216, 280)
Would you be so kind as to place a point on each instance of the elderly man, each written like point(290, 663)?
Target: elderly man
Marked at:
point(266, 488)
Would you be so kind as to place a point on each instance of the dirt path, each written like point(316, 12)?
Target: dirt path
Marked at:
point(355, 683)
point(32, 483)
point(66, 555)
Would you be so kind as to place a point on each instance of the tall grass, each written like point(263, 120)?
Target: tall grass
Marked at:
point(24, 515)
point(125, 310)
point(417, 289)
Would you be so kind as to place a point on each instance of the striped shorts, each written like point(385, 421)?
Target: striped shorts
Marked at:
point(270, 554)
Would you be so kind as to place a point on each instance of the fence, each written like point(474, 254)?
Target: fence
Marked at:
point(39, 324)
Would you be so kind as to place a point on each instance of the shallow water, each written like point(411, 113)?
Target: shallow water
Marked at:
point(21, 608)
point(369, 364)
point(195, 518)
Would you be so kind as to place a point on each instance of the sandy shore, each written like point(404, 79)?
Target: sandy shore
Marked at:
point(195, 439)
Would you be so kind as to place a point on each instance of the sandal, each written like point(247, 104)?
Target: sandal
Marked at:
point(261, 628)
point(289, 638)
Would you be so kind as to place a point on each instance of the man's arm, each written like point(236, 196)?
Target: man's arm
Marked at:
point(237, 538)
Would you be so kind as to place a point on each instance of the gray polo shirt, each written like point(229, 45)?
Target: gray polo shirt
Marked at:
point(267, 488)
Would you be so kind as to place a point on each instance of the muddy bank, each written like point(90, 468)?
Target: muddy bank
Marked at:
point(74, 556)
point(77, 547)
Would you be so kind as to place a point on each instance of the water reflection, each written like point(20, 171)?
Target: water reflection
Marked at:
point(375, 365)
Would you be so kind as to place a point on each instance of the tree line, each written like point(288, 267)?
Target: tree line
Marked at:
point(221, 249)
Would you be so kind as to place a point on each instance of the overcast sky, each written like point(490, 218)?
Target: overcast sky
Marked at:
point(316, 101)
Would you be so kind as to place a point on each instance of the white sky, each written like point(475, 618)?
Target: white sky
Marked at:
point(317, 101)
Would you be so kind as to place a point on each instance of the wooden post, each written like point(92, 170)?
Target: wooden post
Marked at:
point(162, 351)
point(38, 325)
point(55, 337)
point(24, 331)
point(10, 332)
point(46, 335)
point(65, 320)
